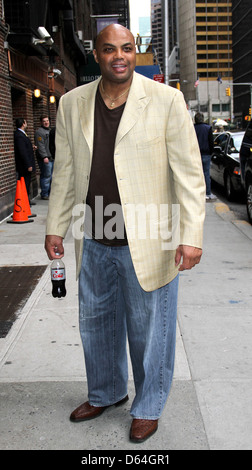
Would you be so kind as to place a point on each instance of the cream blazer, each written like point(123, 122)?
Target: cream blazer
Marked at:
point(158, 169)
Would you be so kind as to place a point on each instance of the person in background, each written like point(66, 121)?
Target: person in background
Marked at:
point(44, 157)
point(205, 139)
point(24, 153)
point(52, 142)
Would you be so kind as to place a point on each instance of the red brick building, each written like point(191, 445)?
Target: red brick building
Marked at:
point(27, 64)
point(54, 66)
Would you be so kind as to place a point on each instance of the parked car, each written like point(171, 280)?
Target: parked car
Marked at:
point(246, 168)
point(225, 162)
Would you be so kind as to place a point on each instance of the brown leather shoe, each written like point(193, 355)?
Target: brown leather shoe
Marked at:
point(142, 429)
point(86, 411)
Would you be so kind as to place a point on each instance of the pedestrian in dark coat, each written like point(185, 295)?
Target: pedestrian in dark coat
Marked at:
point(205, 139)
point(24, 155)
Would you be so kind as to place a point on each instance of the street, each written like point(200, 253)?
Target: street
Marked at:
point(237, 206)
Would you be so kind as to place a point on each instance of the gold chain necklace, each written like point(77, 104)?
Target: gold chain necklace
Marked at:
point(112, 100)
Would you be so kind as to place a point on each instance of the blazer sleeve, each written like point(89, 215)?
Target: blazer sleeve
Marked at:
point(187, 173)
point(62, 189)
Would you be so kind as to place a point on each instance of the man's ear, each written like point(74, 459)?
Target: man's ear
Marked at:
point(95, 56)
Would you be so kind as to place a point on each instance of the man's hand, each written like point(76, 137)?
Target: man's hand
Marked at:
point(188, 256)
point(46, 160)
point(53, 245)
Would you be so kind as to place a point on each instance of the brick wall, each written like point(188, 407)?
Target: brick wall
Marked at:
point(7, 162)
point(19, 76)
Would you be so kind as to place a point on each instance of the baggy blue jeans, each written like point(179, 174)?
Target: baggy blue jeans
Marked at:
point(112, 305)
point(46, 170)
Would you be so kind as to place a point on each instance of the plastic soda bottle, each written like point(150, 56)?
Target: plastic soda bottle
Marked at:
point(58, 277)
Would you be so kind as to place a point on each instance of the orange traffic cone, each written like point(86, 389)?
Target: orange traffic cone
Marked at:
point(19, 213)
point(26, 199)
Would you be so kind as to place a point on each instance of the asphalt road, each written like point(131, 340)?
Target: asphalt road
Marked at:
point(238, 205)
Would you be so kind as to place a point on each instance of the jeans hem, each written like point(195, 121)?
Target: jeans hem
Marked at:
point(107, 404)
point(150, 418)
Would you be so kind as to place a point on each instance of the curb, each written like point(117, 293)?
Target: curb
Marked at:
point(226, 214)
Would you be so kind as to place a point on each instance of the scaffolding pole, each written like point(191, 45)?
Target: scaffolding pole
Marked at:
point(165, 14)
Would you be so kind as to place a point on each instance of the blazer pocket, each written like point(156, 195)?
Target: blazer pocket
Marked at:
point(149, 143)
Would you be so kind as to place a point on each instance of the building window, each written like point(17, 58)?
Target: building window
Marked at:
point(216, 108)
point(225, 107)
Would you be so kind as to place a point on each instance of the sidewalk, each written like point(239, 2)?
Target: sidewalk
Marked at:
point(42, 372)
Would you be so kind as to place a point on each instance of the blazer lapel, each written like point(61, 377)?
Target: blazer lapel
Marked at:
point(86, 106)
point(135, 106)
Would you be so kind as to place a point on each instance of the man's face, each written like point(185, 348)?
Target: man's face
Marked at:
point(116, 54)
point(45, 122)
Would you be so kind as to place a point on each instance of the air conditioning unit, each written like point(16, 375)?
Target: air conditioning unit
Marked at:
point(88, 45)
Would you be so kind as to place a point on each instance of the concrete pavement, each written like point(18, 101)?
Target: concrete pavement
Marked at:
point(42, 371)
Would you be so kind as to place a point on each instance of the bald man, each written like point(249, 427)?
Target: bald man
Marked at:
point(126, 152)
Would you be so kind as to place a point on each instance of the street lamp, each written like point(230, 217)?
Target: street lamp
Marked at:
point(37, 93)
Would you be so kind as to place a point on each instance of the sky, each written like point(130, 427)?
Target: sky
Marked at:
point(138, 8)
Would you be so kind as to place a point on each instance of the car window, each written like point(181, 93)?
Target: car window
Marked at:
point(231, 146)
point(235, 143)
point(221, 141)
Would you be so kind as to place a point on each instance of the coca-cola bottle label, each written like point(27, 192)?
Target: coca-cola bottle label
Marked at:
point(58, 274)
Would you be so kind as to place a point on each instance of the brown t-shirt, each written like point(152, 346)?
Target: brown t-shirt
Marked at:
point(103, 194)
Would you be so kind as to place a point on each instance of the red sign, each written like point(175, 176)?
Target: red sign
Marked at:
point(159, 77)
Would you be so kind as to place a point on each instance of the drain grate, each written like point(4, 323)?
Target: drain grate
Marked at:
point(16, 285)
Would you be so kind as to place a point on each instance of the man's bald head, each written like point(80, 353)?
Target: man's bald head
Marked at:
point(112, 28)
point(115, 52)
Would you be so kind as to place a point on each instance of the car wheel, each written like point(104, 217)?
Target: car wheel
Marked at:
point(249, 202)
point(229, 190)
